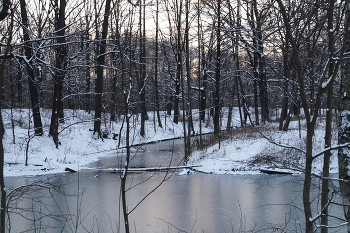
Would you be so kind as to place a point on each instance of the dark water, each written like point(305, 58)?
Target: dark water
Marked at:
point(162, 154)
point(189, 203)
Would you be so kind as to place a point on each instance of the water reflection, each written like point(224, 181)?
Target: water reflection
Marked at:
point(192, 203)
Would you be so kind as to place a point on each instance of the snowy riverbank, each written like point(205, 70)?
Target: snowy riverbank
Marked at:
point(245, 153)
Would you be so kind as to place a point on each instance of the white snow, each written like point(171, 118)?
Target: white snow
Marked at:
point(79, 147)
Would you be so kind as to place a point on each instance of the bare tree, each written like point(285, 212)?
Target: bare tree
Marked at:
point(28, 50)
point(60, 69)
point(344, 126)
point(217, 102)
point(156, 61)
point(101, 50)
point(324, 82)
point(2, 152)
point(329, 120)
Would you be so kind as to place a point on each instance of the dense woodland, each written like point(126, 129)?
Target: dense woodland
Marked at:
point(173, 55)
point(125, 57)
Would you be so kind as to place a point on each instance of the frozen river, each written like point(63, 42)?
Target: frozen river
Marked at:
point(188, 203)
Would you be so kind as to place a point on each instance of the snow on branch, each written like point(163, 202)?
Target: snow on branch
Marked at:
point(321, 212)
point(282, 145)
point(330, 149)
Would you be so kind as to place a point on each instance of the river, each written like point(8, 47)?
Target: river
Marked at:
point(89, 201)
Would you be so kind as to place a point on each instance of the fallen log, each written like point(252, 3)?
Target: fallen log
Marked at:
point(144, 169)
point(69, 170)
point(275, 172)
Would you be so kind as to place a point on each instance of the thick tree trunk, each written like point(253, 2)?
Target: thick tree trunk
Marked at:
point(61, 56)
point(19, 86)
point(260, 63)
point(284, 109)
point(28, 50)
point(142, 75)
point(99, 70)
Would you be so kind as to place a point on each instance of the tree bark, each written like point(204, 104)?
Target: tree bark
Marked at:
point(179, 64)
point(217, 100)
point(259, 61)
point(28, 51)
point(85, 45)
point(310, 121)
point(99, 70)
point(329, 120)
point(2, 152)
point(344, 126)
point(156, 66)
point(142, 74)
point(60, 72)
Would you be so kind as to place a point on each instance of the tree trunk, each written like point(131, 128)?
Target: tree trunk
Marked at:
point(217, 100)
point(99, 71)
point(28, 50)
point(344, 126)
point(256, 107)
point(178, 65)
point(126, 92)
point(260, 63)
point(329, 120)
point(203, 92)
point(156, 66)
point(87, 96)
point(310, 117)
point(188, 77)
point(201, 112)
point(2, 152)
point(308, 179)
point(284, 110)
point(125, 173)
point(142, 74)
point(61, 65)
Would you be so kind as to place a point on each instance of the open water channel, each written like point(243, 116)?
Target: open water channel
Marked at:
point(89, 201)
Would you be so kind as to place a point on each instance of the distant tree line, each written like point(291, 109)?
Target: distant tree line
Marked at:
point(177, 55)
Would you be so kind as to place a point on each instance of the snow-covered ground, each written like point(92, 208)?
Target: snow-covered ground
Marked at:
point(246, 152)
point(263, 148)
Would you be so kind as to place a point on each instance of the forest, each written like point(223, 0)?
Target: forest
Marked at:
point(273, 60)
